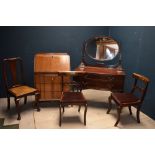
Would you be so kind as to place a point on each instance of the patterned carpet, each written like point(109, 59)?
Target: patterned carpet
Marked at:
point(13, 126)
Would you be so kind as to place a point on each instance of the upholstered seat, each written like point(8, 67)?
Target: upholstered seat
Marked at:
point(125, 98)
point(20, 91)
point(73, 98)
point(129, 99)
point(14, 83)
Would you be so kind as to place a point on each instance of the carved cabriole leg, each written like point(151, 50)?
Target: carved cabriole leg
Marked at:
point(138, 112)
point(60, 114)
point(8, 100)
point(119, 109)
point(25, 99)
point(18, 108)
point(79, 108)
point(110, 104)
point(130, 110)
point(37, 96)
point(85, 114)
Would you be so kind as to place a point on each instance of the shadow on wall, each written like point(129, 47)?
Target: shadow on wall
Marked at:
point(27, 41)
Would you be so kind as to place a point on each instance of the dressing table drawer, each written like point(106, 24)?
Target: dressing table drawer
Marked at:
point(102, 82)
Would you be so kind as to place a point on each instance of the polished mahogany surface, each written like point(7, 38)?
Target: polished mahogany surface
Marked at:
point(46, 74)
point(15, 85)
point(101, 70)
point(129, 99)
point(101, 78)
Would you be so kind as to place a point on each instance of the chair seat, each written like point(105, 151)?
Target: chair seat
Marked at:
point(72, 98)
point(20, 91)
point(125, 98)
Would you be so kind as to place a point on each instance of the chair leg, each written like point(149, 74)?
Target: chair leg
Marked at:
point(138, 112)
point(60, 115)
point(25, 99)
point(110, 105)
point(85, 114)
point(18, 108)
point(130, 110)
point(63, 109)
point(119, 109)
point(79, 108)
point(37, 96)
point(8, 100)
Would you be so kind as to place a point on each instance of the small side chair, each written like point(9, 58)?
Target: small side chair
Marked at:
point(14, 83)
point(130, 99)
point(72, 96)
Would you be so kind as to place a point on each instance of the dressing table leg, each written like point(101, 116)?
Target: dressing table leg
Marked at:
point(110, 105)
point(130, 110)
point(85, 114)
point(79, 108)
point(60, 115)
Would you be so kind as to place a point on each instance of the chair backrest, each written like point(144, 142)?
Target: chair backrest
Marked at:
point(12, 72)
point(141, 88)
point(73, 87)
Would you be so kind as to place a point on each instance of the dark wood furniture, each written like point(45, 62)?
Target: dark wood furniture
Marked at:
point(101, 78)
point(14, 83)
point(130, 99)
point(46, 78)
point(72, 96)
point(101, 60)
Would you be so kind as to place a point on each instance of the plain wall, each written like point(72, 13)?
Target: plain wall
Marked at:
point(25, 42)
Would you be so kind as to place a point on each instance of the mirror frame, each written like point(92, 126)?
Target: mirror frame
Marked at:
point(101, 63)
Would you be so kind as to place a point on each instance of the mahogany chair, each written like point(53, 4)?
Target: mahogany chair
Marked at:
point(14, 83)
point(134, 98)
point(72, 96)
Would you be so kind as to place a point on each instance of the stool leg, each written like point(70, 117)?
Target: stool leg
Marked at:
point(18, 108)
point(119, 109)
point(110, 104)
point(85, 114)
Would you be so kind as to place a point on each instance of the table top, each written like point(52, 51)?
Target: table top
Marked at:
point(101, 70)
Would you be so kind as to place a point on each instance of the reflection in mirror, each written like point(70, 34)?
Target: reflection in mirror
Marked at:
point(102, 48)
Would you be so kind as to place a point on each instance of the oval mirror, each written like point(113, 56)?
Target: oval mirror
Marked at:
point(101, 48)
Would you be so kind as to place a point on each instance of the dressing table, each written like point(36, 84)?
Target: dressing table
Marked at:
point(101, 63)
